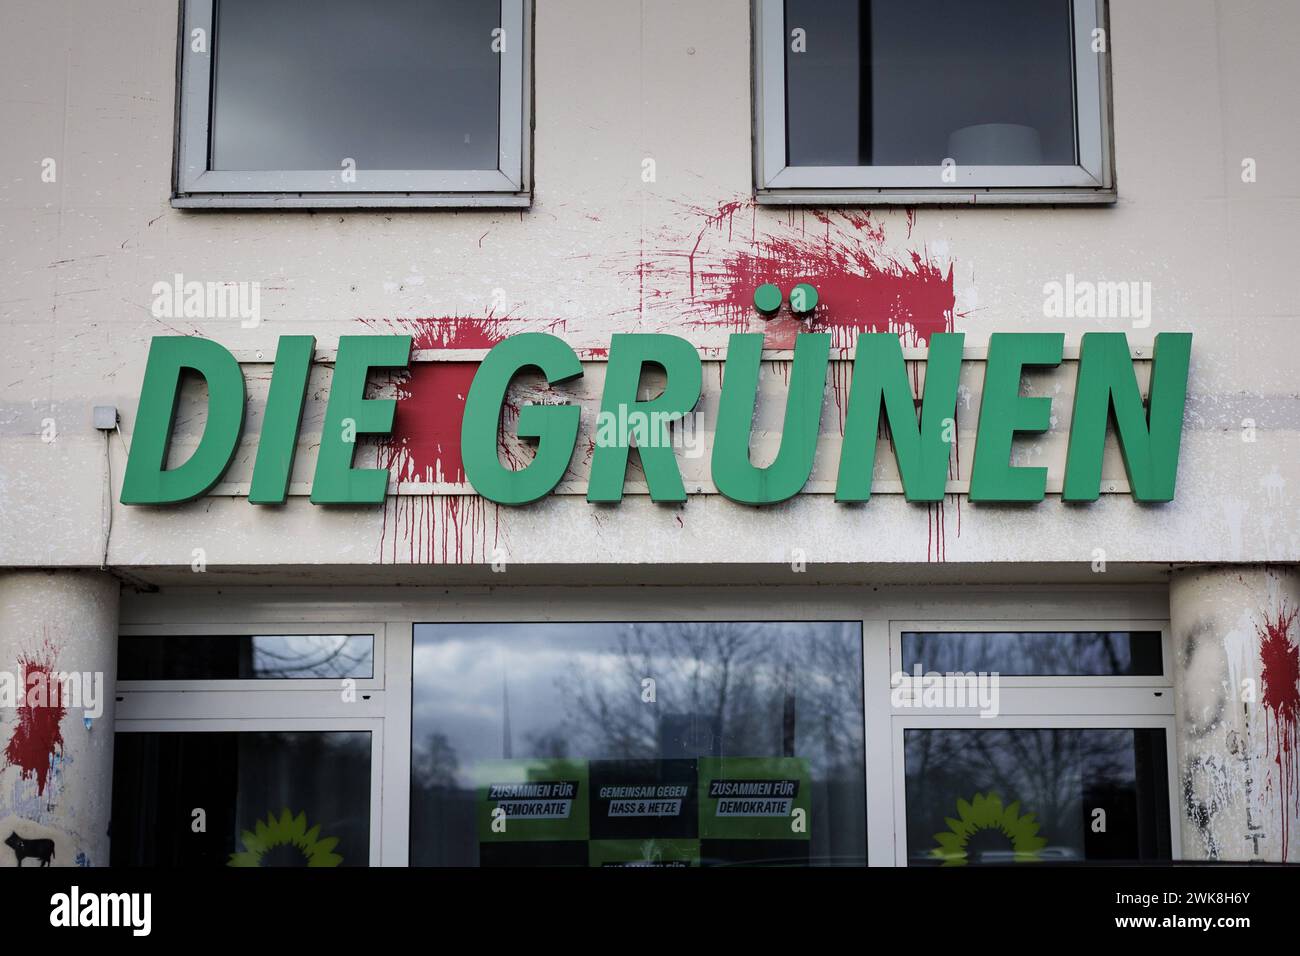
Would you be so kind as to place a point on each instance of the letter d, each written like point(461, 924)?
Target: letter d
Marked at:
point(146, 481)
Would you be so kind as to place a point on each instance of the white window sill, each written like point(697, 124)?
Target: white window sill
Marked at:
point(935, 197)
point(352, 201)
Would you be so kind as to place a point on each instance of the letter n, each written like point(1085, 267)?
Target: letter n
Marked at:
point(1149, 437)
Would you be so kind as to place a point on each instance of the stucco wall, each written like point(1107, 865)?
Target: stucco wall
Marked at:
point(58, 658)
point(1235, 682)
point(1198, 87)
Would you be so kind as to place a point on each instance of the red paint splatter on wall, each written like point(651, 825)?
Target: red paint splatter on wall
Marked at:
point(1280, 672)
point(860, 287)
point(425, 443)
point(424, 446)
point(450, 332)
point(38, 736)
point(705, 279)
point(863, 285)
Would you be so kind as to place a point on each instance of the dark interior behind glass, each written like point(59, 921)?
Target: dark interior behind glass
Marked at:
point(267, 799)
point(390, 84)
point(245, 656)
point(1062, 795)
point(1036, 653)
point(913, 82)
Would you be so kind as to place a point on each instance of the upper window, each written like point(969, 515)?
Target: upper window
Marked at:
point(331, 102)
point(940, 100)
point(152, 657)
point(1036, 653)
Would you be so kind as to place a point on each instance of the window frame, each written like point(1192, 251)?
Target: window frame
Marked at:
point(1090, 181)
point(253, 684)
point(1104, 685)
point(312, 704)
point(195, 185)
point(1044, 702)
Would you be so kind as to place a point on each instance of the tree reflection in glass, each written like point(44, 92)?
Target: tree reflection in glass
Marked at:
point(1036, 795)
point(635, 692)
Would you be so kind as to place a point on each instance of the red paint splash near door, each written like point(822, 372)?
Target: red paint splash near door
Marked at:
point(1280, 672)
point(38, 736)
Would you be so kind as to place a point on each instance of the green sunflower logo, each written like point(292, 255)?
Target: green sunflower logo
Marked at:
point(286, 841)
point(986, 814)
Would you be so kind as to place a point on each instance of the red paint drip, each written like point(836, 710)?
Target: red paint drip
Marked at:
point(37, 737)
point(1280, 670)
point(936, 544)
point(434, 529)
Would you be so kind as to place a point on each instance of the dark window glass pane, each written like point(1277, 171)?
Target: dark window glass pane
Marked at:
point(245, 783)
point(1023, 796)
point(601, 744)
point(246, 657)
point(912, 82)
point(1035, 653)
point(391, 84)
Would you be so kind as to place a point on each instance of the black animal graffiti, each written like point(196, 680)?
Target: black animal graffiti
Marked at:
point(42, 850)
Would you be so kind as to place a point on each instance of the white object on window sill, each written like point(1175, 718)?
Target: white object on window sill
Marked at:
point(996, 144)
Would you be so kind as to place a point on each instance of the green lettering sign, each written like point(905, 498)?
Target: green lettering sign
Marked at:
point(279, 440)
point(880, 376)
point(1148, 441)
point(629, 353)
point(554, 426)
point(1004, 412)
point(348, 415)
point(733, 473)
point(147, 482)
point(1149, 435)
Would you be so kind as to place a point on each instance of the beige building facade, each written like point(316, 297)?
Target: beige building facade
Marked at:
point(410, 655)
